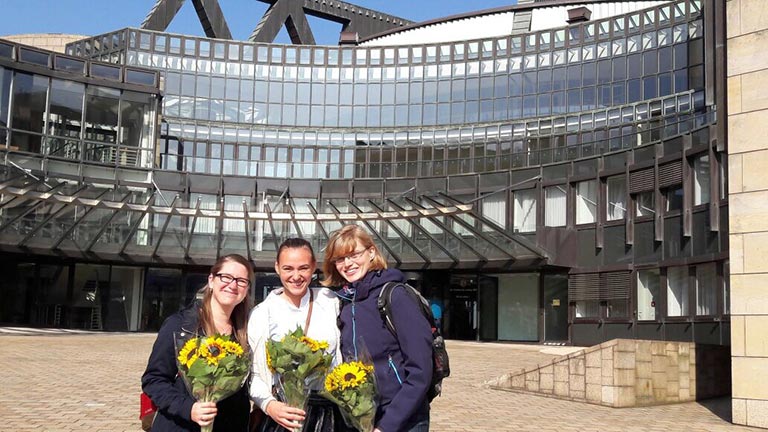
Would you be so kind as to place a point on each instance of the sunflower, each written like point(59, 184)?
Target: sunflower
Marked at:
point(331, 382)
point(233, 348)
point(348, 375)
point(269, 361)
point(212, 350)
point(188, 353)
point(313, 344)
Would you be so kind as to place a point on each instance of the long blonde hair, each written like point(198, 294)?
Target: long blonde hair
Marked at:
point(239, 314)
point(344, 242)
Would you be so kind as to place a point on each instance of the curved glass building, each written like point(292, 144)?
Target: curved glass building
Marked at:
point(540, 179)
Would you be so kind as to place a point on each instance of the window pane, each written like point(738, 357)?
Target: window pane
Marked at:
point(706, 289)
point(701, 180)
point(555, 206)
point(495, 208)
point(204, 225)
point(617, 308)
point(66, 108)
point(647, 294)
point(234, 203)
point(586, 202)
point(617, 198)
point(136, 119)
point(5, 88)
point(674, 198)
point(29, 102)
point(677, 291)
point(101, 114)
point(644, 204)
point(525, 210)
point(587, 309)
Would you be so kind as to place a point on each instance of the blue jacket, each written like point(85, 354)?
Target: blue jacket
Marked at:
point(168, 391)
point(403, 365)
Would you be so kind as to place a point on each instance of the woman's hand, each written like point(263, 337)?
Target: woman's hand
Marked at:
point(203, 413)
point(285, 415)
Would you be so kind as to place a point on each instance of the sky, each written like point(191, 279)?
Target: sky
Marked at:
point(93, 17)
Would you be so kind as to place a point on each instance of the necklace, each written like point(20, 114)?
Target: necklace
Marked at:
point(223, 329)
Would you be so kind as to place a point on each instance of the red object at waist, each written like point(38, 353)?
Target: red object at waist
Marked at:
point(147, 406)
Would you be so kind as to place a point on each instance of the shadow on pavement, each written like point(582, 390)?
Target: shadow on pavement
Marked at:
point(720, 407)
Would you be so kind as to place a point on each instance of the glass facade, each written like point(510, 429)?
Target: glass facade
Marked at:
point(587, 150)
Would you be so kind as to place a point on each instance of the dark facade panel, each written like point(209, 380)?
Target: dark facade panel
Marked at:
point(708, 333)
point(650, 330)
point(619, 331)
point(587, 334)
point(645, 248)
point(678, 331)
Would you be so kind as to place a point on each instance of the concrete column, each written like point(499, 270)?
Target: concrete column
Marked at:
point(747, 122)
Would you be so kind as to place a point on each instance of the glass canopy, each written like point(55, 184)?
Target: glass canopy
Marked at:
point(87, 220)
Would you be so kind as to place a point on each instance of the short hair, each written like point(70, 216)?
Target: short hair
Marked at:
point(343, 242)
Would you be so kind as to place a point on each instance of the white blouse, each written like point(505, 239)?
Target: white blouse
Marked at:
point(277, 316)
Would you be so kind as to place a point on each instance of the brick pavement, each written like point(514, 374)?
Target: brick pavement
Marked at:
point(90, 382)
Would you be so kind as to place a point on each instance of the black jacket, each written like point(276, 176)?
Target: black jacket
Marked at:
point(168, 391)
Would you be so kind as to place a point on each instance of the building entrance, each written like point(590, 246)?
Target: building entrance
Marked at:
point(461, 320)
point(555, 307)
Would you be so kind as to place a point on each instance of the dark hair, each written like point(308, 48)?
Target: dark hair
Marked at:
point(295, 243)
point(240, 314)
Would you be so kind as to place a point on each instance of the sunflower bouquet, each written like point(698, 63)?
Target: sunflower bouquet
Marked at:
point(298, 361)
point(352, 386)
point(213, 367)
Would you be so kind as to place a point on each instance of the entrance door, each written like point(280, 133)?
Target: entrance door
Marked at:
point(518, 306)
point(488, 291)
point(555, 307)
point(461, 321)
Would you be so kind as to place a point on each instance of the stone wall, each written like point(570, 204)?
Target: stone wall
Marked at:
point(747, 119)
point(626, 373)
point(49, 41)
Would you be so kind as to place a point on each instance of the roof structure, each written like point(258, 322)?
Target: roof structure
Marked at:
point(110, 223)
point(289, 13)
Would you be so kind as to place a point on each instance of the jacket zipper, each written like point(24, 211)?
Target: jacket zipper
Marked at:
point(394, 369)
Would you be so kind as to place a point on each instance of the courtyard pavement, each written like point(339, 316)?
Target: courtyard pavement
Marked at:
point(55, 380)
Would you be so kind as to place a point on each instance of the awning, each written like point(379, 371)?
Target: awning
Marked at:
point(127, 224)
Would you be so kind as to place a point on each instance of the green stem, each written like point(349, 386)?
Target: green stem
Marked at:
point(207, 398)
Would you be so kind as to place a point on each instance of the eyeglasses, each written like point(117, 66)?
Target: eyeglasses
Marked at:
point(227, 279)
point(354, 256)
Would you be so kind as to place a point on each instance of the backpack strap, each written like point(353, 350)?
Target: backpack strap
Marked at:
point(384, 302)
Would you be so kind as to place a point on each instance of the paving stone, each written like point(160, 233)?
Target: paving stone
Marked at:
point(91, 382)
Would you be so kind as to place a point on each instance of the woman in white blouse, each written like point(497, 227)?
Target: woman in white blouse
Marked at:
point(284, 309)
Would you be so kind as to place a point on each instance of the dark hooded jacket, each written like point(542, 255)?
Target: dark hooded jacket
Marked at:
point(168, 391)
point(402, 364)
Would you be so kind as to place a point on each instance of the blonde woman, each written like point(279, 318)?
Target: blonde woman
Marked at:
point(402, 363)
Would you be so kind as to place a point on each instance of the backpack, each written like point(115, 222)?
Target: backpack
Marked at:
point(440, 365)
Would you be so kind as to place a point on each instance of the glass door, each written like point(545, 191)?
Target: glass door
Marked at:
point(461, 320)
point(555, 307)
point(518, 306)
point(488, 290)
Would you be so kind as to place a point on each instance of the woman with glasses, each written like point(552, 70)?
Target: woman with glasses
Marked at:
point(294, 305)
point(223, 309)
point(402, 363)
